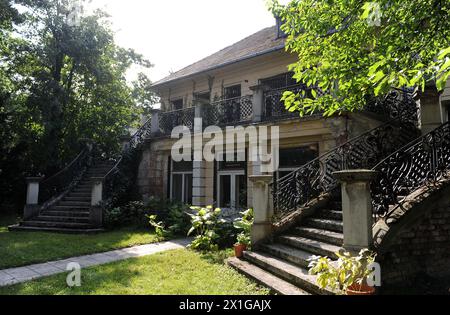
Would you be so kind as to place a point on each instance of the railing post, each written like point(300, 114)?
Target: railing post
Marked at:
point(32, 206)
point(125, 142)
point(96, 214)
point(262, 226)
point(356, 208)
point(155, 128)
point(258, 102)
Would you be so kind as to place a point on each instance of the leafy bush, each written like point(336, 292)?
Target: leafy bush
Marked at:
point(137, 213)
point(245, 224)
point(204, 222)
point(340, 275)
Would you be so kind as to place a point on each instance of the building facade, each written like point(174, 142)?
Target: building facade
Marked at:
point(240, 85)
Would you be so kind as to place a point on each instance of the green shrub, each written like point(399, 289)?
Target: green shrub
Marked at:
point(204, 222)
point(245, 225)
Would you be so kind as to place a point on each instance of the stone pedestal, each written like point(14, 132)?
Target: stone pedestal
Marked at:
point(125, 142)
point(97, 191)
point(262, 226)
point(32, 203)
point(356, 208)
point(155, 129)
point(258, 102)
point(96, 213)
point(431, 112)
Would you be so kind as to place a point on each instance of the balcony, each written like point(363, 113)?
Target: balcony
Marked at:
point(263, 105)
point(228, 112)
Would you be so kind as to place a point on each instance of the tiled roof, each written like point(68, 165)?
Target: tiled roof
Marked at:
point(260, 43)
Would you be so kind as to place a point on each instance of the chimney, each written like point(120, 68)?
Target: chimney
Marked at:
point(280, 32)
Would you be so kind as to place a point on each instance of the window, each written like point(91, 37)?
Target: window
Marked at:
point(232, 91)
point(181, 182)
point(177, 104)
point(203, 97)
point(280, 81)
point(293, 158)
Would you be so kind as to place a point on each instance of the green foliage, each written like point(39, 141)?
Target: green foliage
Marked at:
point(60, 82)
point(245, 224)
point(204, 223)
point(355, 49)
point(160, 227)
point(347, 270)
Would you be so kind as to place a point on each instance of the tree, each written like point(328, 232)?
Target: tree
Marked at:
point(62, 78)
point(355, 49)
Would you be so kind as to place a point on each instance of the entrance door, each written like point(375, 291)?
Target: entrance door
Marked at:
point(232, 190)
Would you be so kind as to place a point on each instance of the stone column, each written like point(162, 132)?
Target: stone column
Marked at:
point(431, 112)
point(96, 214)
point(32, 206)
point(155, 121)
point(125, 142)
point(262, 226)
point(258, 102)
point(356, 208)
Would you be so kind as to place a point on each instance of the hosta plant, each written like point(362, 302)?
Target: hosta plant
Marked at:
point(204, 222)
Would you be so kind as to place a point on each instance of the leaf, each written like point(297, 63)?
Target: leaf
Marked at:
point(444, 53)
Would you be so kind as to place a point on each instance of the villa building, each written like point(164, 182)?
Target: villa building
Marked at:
point(240, 85)
point(375, 178)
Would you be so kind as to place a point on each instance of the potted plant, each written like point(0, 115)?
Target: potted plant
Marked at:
point(348, 275)
point(243, 239)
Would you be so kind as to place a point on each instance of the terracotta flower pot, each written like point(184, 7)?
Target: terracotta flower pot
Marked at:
point(239, 250)
point(360, 289)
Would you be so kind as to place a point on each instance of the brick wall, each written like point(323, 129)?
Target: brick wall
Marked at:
point(420, 248)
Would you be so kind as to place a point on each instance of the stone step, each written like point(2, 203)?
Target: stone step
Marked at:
point(288, 253)
point(309, 245)
point(83, 191)
point(75, 203)
point(326, 224)
point(79, 195)
point(264, 278)
point(330, 237)
point(330, 214)
point(78, 214)
point(64, 219)
point(85, 198)
point(69, 208)
point(21, 228)
point(50, 224)
point(285, 270)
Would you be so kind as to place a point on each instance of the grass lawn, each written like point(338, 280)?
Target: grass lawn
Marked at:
point(173, 272)
point(25, 248)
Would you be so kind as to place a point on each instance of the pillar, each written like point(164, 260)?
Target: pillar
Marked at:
point(32, 203)
point(262, 226)
point(356, 208)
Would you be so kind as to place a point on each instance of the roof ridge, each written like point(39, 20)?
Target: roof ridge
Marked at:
point(178, 74)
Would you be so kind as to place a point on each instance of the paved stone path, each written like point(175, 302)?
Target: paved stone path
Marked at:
point(27, 273)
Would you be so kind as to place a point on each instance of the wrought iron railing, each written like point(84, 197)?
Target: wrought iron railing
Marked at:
point(140, 135)
point(273, 105)
point(229, 111)
point(424, 161)
point(298, 188)
point(182, 117)
point(63, 180)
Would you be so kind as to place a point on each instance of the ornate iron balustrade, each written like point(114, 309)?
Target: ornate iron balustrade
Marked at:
point(139, 137)
point(298, 188)
point(182, 117)
point(424, 161)
point(229, 111)
point(274, 107)
point(63, 180)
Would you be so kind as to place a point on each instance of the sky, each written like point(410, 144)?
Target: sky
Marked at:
point(173, 34)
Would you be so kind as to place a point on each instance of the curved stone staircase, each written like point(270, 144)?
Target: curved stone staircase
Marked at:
point(282, 265)
point(71, 214)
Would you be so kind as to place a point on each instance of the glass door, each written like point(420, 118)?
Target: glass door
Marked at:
point(232, 190)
